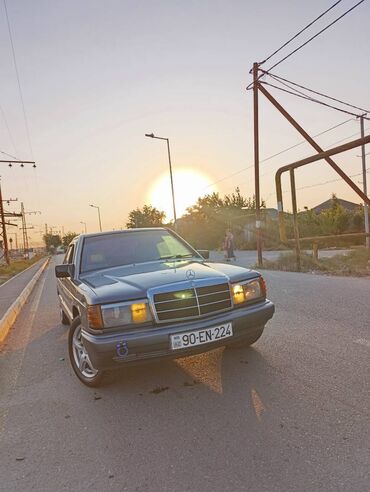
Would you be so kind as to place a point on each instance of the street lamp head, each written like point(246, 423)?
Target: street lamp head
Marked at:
point(151, 135)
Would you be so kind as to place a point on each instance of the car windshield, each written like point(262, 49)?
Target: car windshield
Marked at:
point(126, 248)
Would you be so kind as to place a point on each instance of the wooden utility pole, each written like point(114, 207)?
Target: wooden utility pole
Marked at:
point(364, 177)
point(257, 165)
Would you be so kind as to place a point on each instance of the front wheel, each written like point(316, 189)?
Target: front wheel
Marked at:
point(79, 357)
point(247, 342)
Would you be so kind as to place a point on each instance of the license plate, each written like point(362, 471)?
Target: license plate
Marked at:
point(198, 337)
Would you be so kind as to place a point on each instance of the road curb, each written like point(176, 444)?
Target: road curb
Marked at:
point(8, 320)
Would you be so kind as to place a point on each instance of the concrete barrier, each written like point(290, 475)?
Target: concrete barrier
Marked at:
point(8, 320)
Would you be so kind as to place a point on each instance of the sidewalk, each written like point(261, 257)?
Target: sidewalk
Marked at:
point(12, 288)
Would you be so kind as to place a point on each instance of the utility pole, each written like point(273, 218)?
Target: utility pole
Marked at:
point(366, 206)
point(24, 230)
point(257, 164)
point(3, 236)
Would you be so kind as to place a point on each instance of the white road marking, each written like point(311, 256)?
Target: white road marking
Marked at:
point(362, 341)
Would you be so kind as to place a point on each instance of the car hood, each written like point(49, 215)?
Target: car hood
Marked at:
point(133, 281)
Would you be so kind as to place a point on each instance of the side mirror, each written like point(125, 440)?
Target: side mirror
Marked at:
point(65, 270)
point(204, 253)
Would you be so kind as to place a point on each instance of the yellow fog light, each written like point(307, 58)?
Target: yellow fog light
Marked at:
point(238, 294)
point(139, 312)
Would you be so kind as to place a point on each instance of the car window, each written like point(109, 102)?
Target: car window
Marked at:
point(110, 250)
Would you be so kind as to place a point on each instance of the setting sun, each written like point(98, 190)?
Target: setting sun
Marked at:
point(188, 186)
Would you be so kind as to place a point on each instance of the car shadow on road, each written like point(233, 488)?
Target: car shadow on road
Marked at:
point(223, 374)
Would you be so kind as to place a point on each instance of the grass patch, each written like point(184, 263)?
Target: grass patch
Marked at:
point(356, 263)
point(15, 267)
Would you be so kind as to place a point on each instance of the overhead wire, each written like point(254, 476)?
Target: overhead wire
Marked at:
point(9, 155)
point(289, 83)
point(296, 93)
point(8, 129)
point(330, 181)
point(279, 153)
point(315, 35)
point(334, 143)
point(300, 32)
point(18, 78)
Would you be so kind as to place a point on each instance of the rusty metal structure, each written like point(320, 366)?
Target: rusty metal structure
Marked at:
point(258, 87)
point(279, 194)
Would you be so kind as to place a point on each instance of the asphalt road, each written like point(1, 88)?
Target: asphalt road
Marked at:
point(290, 414)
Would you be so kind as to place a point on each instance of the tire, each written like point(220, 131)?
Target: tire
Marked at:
point(63, 318)
point(79, 358)
point(247, 342)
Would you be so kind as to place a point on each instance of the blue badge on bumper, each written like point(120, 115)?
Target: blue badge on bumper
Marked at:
point(122, 349)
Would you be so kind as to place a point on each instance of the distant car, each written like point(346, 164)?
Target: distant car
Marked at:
point(60, 250)
point(145, 294)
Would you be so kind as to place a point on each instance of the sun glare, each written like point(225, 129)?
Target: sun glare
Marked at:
point(188, 184)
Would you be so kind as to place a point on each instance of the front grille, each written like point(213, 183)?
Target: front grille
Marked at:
point(192, 303)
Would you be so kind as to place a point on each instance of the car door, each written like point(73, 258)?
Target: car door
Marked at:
point(65, 284)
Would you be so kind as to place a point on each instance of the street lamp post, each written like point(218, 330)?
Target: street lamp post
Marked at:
point(95, 206)
point(151, 135)
point(84, 224)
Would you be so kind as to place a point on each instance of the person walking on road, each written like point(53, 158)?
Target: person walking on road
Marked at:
point(228, 246)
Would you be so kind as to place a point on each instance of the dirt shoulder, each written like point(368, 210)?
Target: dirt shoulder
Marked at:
point(355, 263)
point(15, 267)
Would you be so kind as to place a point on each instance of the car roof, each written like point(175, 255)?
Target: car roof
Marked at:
point(105, 233)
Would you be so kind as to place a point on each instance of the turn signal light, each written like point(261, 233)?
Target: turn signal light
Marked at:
point(94, 317)
point(263, 286)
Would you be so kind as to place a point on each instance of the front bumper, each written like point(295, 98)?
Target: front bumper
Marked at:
point(107, 351)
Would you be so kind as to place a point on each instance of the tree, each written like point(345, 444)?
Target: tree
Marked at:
point(67, 238)
point(148, 216)
point(52, 241)
point(206, 221)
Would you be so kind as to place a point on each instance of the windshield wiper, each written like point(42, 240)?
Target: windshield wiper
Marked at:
point(176, 257)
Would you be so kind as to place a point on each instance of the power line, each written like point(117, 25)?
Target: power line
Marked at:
point(8, 128)
point(329, 181)
point(18, 79)
point(305, 141)
point(299, 33)
point(9, 155)
point(282, 80)
point(322, 183)
point(346, 138)
point(296, 93)
point(280, 152)
point(316, 35)
point(334, 143)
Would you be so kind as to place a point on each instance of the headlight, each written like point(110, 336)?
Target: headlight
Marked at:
point(248, 291)
point(125, 313)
